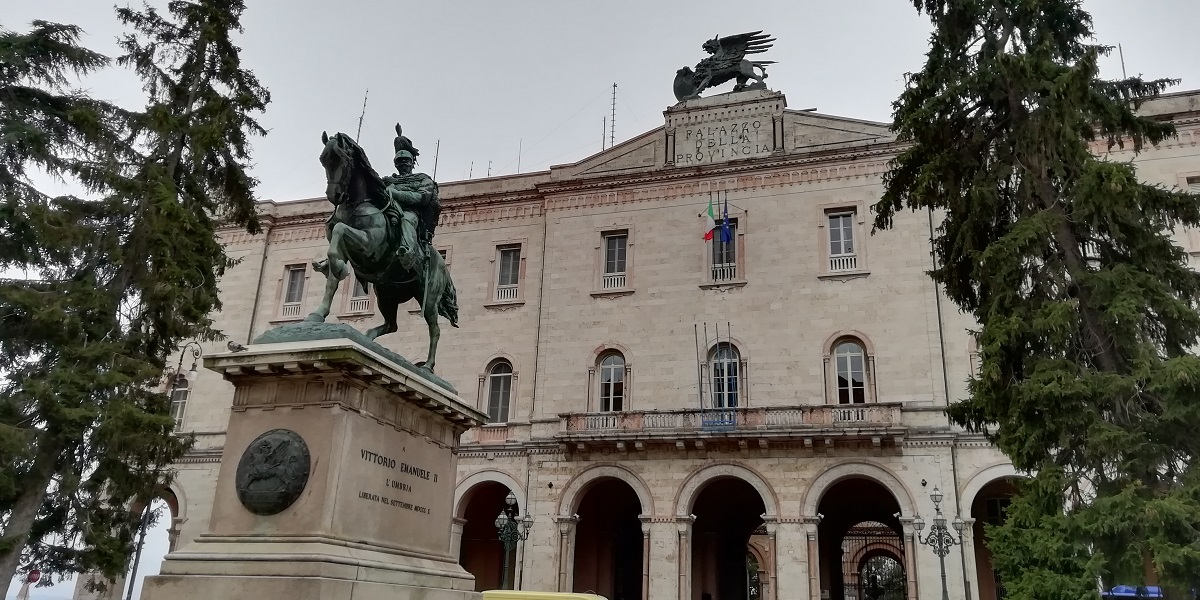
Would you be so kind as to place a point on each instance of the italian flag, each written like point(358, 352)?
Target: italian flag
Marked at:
point(710, 221)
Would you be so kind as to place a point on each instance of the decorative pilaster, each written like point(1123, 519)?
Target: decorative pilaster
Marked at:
point(173, 534)
point(645, 556)
point(910, 556)
point(772, 525)
point(814, 559)
point(566, 554)
point(456, 532)
point(683, 527)
point(969, 558)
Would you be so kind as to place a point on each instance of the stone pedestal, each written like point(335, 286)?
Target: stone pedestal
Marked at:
point(337, 480)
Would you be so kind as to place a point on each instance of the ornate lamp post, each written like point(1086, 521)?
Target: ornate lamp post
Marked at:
point(511, 528)
point(939, 538)
point(179, 380)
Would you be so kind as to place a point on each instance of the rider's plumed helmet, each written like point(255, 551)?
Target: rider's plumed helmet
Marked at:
point(403, 144)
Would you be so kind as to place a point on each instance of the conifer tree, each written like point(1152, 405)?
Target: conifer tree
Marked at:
point(1087, 310)
point(124, 277)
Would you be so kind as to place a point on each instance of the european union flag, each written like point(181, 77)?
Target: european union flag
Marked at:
point(726, 232)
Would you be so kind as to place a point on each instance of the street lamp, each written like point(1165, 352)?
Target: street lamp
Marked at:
point(180, 376)
point(511, 529)
point(179, 380)
point(939, 538)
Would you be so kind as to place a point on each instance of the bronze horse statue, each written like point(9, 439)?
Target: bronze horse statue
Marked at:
point(362, 237)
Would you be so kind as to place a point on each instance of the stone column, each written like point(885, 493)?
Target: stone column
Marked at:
point(772, 566)
point(814, 557)
point(173, 534)
point(456, 531)
point(968, 555)
point(683, 528)
point(789, 560)
point(566, 551)
point(646, 526)
point(910, 556)
point(663, 543)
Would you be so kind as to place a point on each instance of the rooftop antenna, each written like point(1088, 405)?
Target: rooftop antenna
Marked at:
point(489, 168)
point(362, 114)
point(436, 150)
point(471, 170)
point(603, 132)
point(612, 124)
point(520, 142)
point(1121, 52)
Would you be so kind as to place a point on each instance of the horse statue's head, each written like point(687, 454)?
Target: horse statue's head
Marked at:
point(338, 159)
point(349, 176)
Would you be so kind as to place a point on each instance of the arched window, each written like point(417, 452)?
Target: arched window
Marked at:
point(851, 366)
point(724, 367)
point(499, 386)
point(612, 382)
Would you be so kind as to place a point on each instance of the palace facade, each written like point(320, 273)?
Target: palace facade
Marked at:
point(756, 415)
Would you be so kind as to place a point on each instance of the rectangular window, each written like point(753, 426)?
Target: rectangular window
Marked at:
point(615, 254)
point(1193, 184)
point(842, 251)
point(724, 254)
point(179, 398)
point(360, 296)
point(508, 273)
point(294, 292)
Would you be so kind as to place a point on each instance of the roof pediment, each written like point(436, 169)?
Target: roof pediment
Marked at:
point(736, 126)
point(637, 155)
point(810, 131)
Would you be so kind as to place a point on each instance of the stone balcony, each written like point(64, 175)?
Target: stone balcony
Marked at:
point(813, 427)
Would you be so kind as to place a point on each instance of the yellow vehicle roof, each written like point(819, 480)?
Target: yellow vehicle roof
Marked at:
point(530, 595)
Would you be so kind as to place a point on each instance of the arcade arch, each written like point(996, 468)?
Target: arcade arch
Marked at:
point(732, 550)
point(478, 500)
point(860, 540)
point(989, 505)
point(606, 549)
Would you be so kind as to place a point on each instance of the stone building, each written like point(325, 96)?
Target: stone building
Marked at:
point(685, 419)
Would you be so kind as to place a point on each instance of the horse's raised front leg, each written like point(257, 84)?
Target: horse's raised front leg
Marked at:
point(334, 267)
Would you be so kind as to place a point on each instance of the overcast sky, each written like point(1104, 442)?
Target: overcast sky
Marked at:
point(488, 78)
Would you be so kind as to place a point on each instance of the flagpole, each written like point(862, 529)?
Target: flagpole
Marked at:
point(705, 355)
point(699, 371)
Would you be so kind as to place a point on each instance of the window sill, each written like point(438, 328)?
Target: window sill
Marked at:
point(844, 275)
point(357, 315)
point(504, 303)
point(721, 285)
point(625, 291)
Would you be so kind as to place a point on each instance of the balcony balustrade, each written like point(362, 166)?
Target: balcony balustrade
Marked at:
point(873, 422)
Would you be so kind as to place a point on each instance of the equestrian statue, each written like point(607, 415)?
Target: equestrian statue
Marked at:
point(728, 61)
point(382, 228)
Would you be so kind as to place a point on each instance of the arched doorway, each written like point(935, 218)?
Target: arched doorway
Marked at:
point(989, 508)
point(481, 553)
point(608, 541)
point(728, 514)
point(860, 548)
point(156, 534)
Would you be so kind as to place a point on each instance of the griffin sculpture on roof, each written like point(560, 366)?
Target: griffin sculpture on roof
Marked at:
point(728, 61)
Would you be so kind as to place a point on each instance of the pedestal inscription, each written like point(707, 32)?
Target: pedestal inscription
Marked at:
point(392, 487)
point(273, 472)
point(726, 140)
